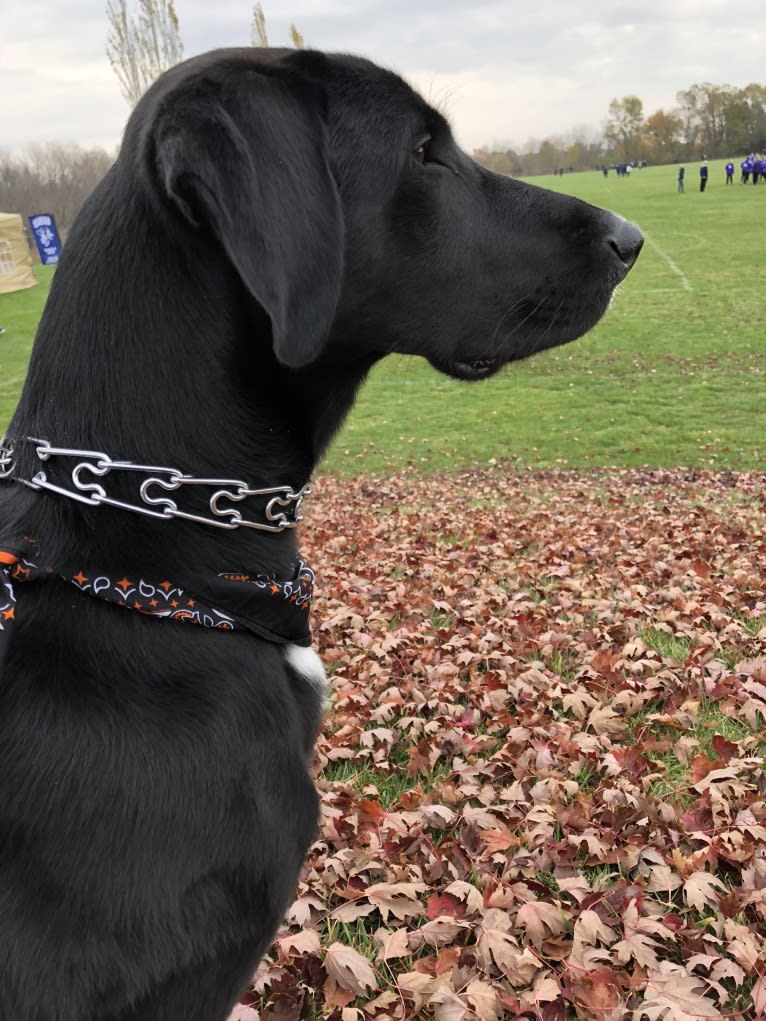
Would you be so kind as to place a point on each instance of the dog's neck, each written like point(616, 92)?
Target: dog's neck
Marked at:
point(182, 376)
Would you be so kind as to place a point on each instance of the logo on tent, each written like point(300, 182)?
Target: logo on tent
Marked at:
point(46, 238)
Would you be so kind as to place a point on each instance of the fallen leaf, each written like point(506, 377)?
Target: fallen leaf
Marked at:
point(699, 890)
point(348, 969)
point(540, 920)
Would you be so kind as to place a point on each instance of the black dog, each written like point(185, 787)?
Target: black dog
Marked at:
point(275, 223)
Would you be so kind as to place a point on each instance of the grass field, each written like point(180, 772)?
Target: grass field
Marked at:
point(672, 376)
point(542, 774)
point(19, 314)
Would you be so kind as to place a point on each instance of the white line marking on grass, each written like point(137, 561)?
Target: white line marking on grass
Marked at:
point(676, 269)
point(655, 290)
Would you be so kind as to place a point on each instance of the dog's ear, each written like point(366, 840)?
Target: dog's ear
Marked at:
point(250, 164)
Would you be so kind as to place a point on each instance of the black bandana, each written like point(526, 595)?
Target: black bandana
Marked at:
point(272, 608)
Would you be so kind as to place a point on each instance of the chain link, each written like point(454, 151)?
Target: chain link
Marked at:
point(6, 461)
point(282, 509)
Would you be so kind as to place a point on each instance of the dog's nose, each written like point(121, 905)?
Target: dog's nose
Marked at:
point(625, 240)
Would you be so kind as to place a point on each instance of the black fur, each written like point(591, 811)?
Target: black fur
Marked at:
point(266, 234)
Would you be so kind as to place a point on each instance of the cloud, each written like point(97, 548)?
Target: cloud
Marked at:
point(77, 103)
point(505, 72)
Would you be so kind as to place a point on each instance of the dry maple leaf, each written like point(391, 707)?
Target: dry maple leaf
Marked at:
point(699, 890)
point(304, 942)
point(498, 839)
point(662, 879)
point(437, 816)
point(438, 933)
point(348, 969)
point(759, 996)
point(467, 893)
point(393, 944)
point(638, 947)
point(397, 899)
point(673, 994)
point(604, 720)
point(496, 944)
point(718, 967)
point(746, 947)
point(540, 920)
point(420, 988)
point(546, 989)
point(484, 1000)
point(351, 911)
point(299, 912)
point(449, 1007)
point(598, 995)
point(589, 929)
point(243, 1013)
point(445, 904)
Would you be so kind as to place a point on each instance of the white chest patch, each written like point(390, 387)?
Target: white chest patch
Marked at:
point(308, 665)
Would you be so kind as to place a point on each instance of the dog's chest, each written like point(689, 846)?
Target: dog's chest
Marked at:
point(306, 663)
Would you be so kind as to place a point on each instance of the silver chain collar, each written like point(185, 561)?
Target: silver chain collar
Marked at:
point(281, 512)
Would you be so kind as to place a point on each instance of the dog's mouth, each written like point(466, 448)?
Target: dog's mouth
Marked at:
point(476, 368)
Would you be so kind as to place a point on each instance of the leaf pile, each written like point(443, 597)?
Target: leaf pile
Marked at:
point(543, 773)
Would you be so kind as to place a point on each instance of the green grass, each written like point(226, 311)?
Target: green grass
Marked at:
point(674, 374)
point(391, 786)
point(669, 647)
point(19, 314)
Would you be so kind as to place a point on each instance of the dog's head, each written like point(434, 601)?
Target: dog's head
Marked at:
point(343, 203)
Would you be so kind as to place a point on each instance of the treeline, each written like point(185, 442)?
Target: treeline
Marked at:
point(709, 121)
point(53, 178)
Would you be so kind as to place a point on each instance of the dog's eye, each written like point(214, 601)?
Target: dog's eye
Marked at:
point(420, 152)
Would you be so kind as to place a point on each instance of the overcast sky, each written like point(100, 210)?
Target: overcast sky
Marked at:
point(503, 71)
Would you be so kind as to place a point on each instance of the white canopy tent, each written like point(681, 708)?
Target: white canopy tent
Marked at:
point(15, 260)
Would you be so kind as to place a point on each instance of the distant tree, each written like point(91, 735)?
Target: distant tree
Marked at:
point(625, 126)
point(141, 48)
point(581, 148)
point(663, 136)
point(715, 119)
point(689, 133)
point(755, 96)
point(549, 157)
point(505, 162)
point(746, 121)
point(706, 106)
point(739, 129)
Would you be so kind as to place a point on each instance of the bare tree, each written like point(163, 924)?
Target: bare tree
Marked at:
point(141, 48)
point(259, 37)
point(53, 178)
